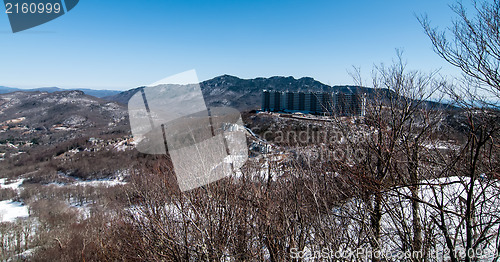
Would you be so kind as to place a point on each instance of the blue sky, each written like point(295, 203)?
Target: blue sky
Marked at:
point(124, 44)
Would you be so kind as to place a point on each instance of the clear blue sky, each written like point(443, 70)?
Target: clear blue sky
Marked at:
point(121, 44)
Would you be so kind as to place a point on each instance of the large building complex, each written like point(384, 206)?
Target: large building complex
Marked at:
point(337, 103)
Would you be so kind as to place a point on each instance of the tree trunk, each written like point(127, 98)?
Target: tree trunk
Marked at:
point(376, 217)
point(415, 205)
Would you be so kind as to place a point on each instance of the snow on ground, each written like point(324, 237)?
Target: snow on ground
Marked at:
point(121, 146)
point(116, 180)
point(451, 192)
point(94, 183)
point(103, 183)
point(124, 145)
point(13, 185)
point(441, 145)
point(10, 210)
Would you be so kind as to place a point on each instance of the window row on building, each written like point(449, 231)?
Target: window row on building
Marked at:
point(337, 103)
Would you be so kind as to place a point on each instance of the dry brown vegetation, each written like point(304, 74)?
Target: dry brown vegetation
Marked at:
point(425, 178)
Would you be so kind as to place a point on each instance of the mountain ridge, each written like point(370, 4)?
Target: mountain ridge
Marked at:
point(93, 92)
point(228, 91)
point(245, 94)
point(58, 116)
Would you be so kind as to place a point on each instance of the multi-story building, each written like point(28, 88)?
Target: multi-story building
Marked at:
point(337, 103)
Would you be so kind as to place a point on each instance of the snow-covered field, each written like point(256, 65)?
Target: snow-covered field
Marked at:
point(449, 192)
point(11, 210)
point(12, 184)
point(103, 182)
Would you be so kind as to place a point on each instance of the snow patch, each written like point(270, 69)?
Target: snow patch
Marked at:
point(11, 210)
point(16, 184)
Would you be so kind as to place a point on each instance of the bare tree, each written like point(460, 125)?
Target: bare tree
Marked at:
point(398, 123)
point(472, 43)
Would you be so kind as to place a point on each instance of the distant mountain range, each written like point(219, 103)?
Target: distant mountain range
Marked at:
point(246, 94)
point(227, 90)
point(91, 92)
point(59, 116)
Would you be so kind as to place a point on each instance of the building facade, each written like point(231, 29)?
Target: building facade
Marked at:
point(337, 103)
